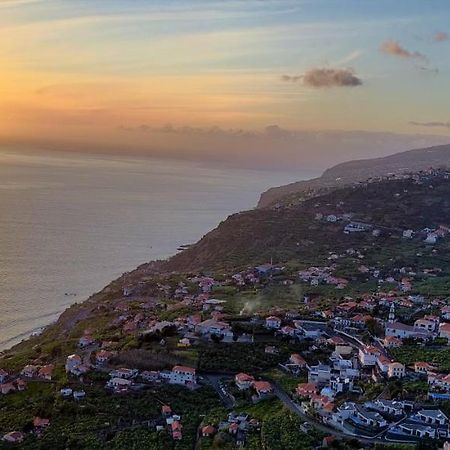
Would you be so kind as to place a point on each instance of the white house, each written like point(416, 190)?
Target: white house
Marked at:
point(211, 326)
point(86, 341)
point(423, 367)
point(182, 375)
point(416, 429)
point(383, 363)
point(391, 407)
point(273, 322)
point(123, 373)
point(72, 362)
point(439, 380)
point(79, 395)
point(368, 355)
point(66, 392)
point(396, 370)
point(425, 325)
point(402, 331)
point(432, 416)
point(319, 375)
point(119, 383)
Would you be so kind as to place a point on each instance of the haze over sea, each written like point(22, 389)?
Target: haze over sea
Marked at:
point(71, 223)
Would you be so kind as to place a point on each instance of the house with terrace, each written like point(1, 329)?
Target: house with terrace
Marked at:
point(310, 329)
point(391, 408)
point(426, 423)
point(426, 325)
point(363, 417)
point(431, 417)
point(213, 327)
point(320, 374)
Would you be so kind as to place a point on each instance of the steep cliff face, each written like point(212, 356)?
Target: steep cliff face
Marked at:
point(361, 170)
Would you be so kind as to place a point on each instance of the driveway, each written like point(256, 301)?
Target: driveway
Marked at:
point(216, 382)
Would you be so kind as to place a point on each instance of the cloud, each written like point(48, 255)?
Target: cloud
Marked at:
point(349, 58)
point(440, 36)
point(190, 131)
point(326, 78)
point(431, 124)
point(393, 48)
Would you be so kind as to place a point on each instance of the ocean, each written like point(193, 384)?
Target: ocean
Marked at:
point(70, 223)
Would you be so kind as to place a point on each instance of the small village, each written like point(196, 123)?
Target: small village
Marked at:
point(347, 362)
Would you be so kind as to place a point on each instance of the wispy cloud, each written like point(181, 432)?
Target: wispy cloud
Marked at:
point(353, 56)
point(440, 36)
point(393, 48)
point(435, 124)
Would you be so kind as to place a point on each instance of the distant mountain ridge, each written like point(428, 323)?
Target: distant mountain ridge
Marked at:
point(361, 170)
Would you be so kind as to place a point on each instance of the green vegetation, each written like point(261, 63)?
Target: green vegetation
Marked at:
point(287, 381)
point(103, 420)
point(236, 357)
point(282, 432)
point(408, 354)
point(293, 238)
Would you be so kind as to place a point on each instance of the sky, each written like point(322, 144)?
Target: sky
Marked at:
point(254, 82)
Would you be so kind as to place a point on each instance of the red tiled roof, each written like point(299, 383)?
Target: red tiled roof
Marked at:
point(242, 377)
point(39, 422)
point(208, 429)
point(183, 369)
point(262, 386)
point(176, 426)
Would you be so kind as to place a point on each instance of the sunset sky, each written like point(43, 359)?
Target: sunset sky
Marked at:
point(178, 77)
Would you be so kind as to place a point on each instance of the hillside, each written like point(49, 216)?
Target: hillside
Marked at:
point(361, 170)
point(290, 231)
point(149, 321)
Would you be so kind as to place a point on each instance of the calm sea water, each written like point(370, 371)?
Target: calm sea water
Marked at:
point(70, 223)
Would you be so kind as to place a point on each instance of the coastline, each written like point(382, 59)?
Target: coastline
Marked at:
point(117, 224)
point(10, 343)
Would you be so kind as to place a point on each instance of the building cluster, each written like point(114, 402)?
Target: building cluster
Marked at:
point(261, 389)
point(236, 425)
point(123, 380)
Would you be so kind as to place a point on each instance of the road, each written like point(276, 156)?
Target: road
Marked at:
point(295, 408)
point(215, 381)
